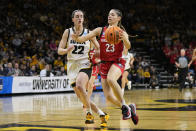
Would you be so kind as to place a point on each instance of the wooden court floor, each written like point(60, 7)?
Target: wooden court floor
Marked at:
point(159, 110)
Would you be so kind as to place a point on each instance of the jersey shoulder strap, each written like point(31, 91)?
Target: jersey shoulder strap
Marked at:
point(68, 35)
point(101, 32)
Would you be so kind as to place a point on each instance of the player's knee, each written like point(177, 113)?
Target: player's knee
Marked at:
point(79, 82)
point(79, 86)
point(109, 97)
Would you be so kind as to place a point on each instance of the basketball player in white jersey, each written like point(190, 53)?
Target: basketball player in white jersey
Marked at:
point(78, 65)
point(129, 61)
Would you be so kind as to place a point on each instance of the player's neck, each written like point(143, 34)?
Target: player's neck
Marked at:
point(78, 28)
point(113, 24)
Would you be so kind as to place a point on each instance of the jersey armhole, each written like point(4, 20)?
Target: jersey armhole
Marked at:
point(88, 32)
point(67, 38)
point(101, 33)
point(68, 35)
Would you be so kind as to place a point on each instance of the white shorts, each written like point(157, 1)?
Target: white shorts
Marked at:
point(73, 68)
point(127, 65)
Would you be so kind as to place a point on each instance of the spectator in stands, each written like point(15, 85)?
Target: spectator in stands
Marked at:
point(65, 64)
point(140, 72)
point(24, 70)
point(153, 82)
point(146, 76)
point(2, 71)
point(189, 52)
point(139, 60)
point(17, 71)
point(136, 62)
point(154, 72)
point(34, 60)
point(39, 41)
point(49, 58)
point(168, 39)
point(167, 51)
point(144, 64)
point(53, 45)
point(9, 70)
point(190, 79)
point(41, 63)
point(58, 62)
point(33, 71)
point(174, 55)
point(46, 71)
point(17, 41)
point(133, 74)
point(61, 72)
point(177, 44)
point(175, 78)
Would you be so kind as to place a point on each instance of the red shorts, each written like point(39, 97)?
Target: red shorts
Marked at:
point(105, 67)
point(95, 70)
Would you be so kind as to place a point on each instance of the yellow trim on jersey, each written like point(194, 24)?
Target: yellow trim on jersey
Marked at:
point(85, 68)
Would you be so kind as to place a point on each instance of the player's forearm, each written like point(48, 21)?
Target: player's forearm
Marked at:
point(81, 39)
point(89, 36)
point(190, 63)
point(127, 43)
point(62, 51)
point(86, 37)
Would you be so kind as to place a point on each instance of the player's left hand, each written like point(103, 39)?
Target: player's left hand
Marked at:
point(123, 35)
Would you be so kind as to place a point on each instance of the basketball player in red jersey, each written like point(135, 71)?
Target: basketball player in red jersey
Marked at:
point(112, 65)
point(95, 59)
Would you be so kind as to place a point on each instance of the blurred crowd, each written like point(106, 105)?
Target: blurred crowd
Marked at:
point(143, 72)
point(30, 31)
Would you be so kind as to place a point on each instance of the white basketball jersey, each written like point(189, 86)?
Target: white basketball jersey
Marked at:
point(79, 57)
point(127, 59)
point(81, 50)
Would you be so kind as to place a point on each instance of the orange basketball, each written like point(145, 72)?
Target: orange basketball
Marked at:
point(112, 35)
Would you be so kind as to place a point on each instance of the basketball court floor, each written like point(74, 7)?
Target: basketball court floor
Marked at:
point(158, 110)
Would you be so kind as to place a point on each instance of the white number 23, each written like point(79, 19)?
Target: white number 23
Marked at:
point(110, 48)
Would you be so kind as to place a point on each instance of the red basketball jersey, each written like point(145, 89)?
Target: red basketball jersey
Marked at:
point(109, 52)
